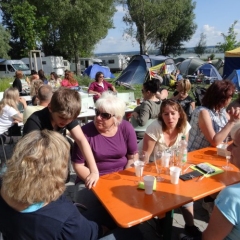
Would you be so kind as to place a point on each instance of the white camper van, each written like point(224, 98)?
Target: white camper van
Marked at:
point(85, 63)
point(115, 62)
point(47, 64)
point(9, 67)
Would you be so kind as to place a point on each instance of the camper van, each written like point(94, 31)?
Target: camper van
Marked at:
point(47, 64)
point(9, 67)
point(85, 63)
point(115, 62)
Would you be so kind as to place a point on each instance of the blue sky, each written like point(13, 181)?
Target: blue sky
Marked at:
point(213, 17)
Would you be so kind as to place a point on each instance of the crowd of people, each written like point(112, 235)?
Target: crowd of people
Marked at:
point(31, 197)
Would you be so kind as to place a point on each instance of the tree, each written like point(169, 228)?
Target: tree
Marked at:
point(29, 27)
point(4, 40)
point(230, 40)
point(164, 23)
point(201, 46)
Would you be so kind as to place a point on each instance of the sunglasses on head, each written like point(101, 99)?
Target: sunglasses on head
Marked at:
point(103, 115)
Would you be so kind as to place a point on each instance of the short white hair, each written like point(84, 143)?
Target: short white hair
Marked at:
point(110, 103)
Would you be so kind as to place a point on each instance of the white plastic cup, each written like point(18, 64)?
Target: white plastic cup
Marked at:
point(166, 159)
point(148, 184)
point(138, 168)
point(175, 173)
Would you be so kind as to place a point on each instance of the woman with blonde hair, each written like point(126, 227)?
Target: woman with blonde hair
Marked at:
point(182, 97)
point(32, 204)
point(69, 80)
point(36, 84)
point(9, 113)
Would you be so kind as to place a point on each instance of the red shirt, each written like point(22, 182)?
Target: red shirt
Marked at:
point(94, 86)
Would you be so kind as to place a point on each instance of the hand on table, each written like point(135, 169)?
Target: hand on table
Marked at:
point(91, 180)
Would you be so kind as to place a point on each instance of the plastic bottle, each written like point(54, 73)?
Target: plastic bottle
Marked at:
point(183, 150)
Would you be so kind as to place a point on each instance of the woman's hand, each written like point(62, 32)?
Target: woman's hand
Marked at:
point(91, 180)
point(234, 114)
point(135, 115)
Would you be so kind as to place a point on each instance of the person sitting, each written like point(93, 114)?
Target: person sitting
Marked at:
point(17, 82)
point(10, 115)
point(54, 81)
point(61, 115)
point(225, 220)
point(32, 203)
point(34, 76)
point(42, 76)
point(150, 107)
point(43, 99)
point(178, 75)
point(100, 86)
point(165, 133)
point(114, 145)
point(69, 81)
point(35, 85)
point(210, 122)
point(181, 96)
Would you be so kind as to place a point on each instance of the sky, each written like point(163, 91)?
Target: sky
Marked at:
point(212, 17)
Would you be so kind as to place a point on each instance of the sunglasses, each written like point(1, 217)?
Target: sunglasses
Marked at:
point(103, 115)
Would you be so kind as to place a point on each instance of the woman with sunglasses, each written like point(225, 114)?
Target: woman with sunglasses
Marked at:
point(100, 86)
point(114, 146)
point(165, 133)
point(181, 96)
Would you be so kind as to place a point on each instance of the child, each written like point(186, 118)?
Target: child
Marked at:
point(60, 115)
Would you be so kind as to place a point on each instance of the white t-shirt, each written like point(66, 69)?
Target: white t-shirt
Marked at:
point(6, 118)
point(154, 130)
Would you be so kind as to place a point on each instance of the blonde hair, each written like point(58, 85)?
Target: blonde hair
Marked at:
point(35, 85)
point(37, 170)
point(10, 97)
point(19, 74)
point(185, 85)
point(110, 103)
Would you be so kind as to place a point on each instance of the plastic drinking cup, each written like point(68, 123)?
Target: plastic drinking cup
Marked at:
point(175, 173)
point(138, 168)
point(148, 184)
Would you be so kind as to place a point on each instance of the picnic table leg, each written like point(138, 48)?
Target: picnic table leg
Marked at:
point(167, 229)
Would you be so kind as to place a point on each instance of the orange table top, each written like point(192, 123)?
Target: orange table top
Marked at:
point(130, 206)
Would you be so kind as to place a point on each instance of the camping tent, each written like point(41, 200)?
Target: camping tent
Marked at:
point(235, 78)
point(210, 71)
point(137, 70)
point(190, 65)
point(231, 61)
point(93, 69)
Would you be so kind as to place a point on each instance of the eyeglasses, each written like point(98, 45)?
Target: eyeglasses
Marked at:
point(103, 115)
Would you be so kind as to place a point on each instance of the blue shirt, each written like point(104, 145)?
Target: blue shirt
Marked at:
point(228, 203)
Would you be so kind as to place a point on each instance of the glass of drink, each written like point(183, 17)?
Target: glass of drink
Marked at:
point(228, 157)
point(159, 164)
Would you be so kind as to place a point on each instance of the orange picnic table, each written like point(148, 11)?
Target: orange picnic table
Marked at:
point(130, 206)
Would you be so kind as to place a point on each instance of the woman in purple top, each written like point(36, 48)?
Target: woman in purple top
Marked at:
point(114, 146)
point(100, 86)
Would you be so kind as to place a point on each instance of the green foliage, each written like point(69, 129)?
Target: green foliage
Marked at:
point(4, 40)
point(230, 40)
point(164, 23)
point(5, 83)
point(201, 46)
point(29, 26)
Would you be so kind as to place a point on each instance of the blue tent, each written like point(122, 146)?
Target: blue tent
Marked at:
point(235, 78)
point(137, 70)
point(231, 61)
point(93, 69)
point(210, 71)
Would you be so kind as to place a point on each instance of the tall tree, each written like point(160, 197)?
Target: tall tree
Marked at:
point(230, 40)
point(4, 40)
point(201, 45)
point(164, 23)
